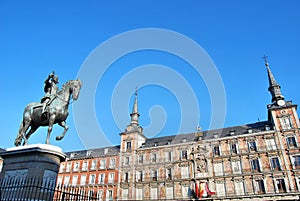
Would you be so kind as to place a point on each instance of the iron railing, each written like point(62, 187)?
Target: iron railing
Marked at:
point(24, 189)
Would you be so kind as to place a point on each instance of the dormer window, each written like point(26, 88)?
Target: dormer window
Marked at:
point(105, 150)
point(267, 128)
point(72, 155)
point(232, 132)
point(155, 144)
point(250, 130)
point(89, 153)
point(184, 140)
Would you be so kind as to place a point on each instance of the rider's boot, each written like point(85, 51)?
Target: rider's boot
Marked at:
point(44, 110)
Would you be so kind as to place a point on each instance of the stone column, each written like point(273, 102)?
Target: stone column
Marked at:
point(31, 170)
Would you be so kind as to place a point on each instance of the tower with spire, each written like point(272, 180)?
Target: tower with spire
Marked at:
point(131, 139)
point(281, 113)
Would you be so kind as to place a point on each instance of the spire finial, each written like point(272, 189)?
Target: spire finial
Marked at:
point(135, 114)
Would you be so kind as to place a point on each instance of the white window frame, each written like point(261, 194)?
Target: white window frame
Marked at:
point(84, 165)
point(92, 179)
point(82, 179)
point(102, 164)
point(112, 165)
point(271, 143)
point(101, 176)
point(111, 179)
point(68, 167)
point(61, 167)
point(94, 165)
point(76, 166)
point(67, 180)
point(74, 180)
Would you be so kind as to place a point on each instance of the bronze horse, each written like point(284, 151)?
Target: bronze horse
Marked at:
point(56, 112)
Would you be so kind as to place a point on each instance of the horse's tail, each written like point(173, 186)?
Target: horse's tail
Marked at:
point(19, 137)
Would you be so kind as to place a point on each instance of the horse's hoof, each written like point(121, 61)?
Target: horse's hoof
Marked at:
point(58, 138)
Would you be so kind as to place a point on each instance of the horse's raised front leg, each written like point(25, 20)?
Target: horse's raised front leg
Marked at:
point(66, 127)
point(50, 126)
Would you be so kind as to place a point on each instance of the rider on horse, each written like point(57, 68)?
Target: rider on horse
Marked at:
point(50, 89)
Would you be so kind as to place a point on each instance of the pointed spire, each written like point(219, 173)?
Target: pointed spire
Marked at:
point(135, 114)
point(274, 88)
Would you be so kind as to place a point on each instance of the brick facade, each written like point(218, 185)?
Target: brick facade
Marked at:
point(96, 171)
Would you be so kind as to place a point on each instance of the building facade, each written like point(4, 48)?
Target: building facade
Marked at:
point(258, 161)
point(95, 171)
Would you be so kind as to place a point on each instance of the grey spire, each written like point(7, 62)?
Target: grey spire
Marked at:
point(135, 114)
point(274, 88)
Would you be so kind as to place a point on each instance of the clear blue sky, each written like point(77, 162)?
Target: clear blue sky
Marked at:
point(37, 37)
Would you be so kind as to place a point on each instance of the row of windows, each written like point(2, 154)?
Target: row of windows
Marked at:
point(66, 167)
point(256, 166)
point(258, 186)
point(83, 180)
point(154, 158)
point(152, 175)
point(129, 144)
point(252, 146)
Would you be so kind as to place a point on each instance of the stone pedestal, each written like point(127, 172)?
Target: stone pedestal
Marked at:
point(32, 170)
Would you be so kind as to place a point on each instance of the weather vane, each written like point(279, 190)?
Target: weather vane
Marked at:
point(265, 58)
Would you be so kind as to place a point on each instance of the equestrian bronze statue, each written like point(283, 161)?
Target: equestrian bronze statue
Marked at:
point(53, 109)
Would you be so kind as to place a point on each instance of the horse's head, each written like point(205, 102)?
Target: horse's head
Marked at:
point(75, 88)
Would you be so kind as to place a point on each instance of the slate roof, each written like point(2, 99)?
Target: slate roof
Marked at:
point(176, 139)
point(237, 130)
point(91, 153)
point(208, 135)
